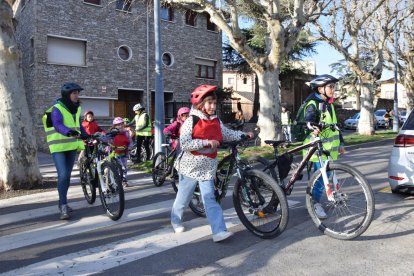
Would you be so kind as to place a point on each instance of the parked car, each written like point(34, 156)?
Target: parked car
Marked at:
point(352, 122)
point(403, 117)
point(379, 115)
point(401, 164)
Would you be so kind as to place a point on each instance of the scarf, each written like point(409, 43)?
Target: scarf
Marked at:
point(71, 106)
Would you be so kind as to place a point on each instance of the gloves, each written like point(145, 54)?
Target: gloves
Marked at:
point(72, 133)
point(84, 136)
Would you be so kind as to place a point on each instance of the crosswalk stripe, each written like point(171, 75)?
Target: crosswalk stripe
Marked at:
point(50, 210)
point(75, 191)
point(101, 258)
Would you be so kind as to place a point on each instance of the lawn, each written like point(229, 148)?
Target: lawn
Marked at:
point(267, 152)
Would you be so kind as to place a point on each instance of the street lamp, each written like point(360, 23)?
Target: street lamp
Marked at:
point(395, 124)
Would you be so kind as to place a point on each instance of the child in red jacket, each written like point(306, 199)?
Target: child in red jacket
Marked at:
point(91, 127)
point(121, 144)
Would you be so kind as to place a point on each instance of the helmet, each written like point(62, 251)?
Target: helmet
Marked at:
point(137, 107)
point(68, 87)
point(183, 110)
point(126, 120)
point(322, 80)
point(117, 120)
point(88, 112)
point(200, 92)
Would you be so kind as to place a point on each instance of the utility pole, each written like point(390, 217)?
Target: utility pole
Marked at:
point(159, 87)
point(396, 122)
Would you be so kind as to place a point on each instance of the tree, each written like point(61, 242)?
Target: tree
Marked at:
point(405, 56)
point(282, 22)
point(18, 154)
point(359, 31)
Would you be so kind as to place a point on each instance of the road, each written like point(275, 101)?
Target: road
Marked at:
point(33, 241)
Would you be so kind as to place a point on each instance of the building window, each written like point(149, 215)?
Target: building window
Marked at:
point(167, 12)
point(245, 80)
point(205, 68)
point(167, 59)
point(66, 51)
point(31, 52)
point(94, 2)
point(210, 25)
point(190, 18)
point(123, 5)
point(230, 81)
point(124, 53)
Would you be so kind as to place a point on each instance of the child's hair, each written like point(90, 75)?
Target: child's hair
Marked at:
point(209, 97)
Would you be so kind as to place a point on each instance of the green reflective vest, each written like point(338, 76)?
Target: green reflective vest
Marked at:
point(56, 141)
point(140, 119)
point(329, 137)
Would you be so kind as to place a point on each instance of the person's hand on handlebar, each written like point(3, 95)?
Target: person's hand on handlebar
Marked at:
point(213, 144)
point(314, 127)
point(73, 133)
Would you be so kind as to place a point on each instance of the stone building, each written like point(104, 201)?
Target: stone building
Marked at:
point(107, 46)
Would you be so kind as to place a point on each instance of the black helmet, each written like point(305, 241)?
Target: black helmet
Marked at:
point(322, 80)
point(68, 87)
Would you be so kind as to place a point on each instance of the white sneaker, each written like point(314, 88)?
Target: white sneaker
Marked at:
point(320, 212)
point(178, 228)
point(221, 236)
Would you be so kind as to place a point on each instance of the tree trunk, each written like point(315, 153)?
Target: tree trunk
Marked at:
point(269, 113)
point(366, 119)
point(18, 154)
point(256, 103)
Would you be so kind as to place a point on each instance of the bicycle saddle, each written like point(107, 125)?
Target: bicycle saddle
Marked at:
point(274, 142)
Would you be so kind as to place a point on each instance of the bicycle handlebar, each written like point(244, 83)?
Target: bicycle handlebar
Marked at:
point(242, 139)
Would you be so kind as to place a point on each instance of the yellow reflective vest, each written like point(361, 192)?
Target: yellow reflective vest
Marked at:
point(140, 119)
point(329, 137)
point(58, 142)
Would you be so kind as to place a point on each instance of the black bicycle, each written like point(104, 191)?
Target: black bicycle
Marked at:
point(347, 198)
point(259, 202)
point(102, 170)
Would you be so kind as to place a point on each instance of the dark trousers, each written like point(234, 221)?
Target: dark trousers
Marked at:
point(146, 141)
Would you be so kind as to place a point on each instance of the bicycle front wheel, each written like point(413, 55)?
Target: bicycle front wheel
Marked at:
point(87, 181)
point(112, 197)
point(352, 210)
point(261, 205)
point(159, 169)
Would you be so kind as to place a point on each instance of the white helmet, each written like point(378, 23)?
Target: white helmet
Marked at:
point(137, 107)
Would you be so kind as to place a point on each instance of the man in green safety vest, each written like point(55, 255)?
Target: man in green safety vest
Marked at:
point(64, 132)
point(319, 108)
point(143, 131)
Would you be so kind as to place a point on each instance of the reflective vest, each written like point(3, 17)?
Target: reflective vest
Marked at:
point(140, 119)
point(210, 130)
point(329, 137)
point(285, 118)
point(58, 142)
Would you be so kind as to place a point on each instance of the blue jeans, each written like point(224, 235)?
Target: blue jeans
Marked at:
point(319, 187)
point(185, 193)
point(64, 164)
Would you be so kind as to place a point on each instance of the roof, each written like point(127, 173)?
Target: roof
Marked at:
point(248, 95)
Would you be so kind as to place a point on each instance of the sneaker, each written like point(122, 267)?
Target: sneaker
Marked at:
point(125, 184)
point(64, 212)
point(320, 212)
point(178, 228)
point(221, 236)
point(70, 210)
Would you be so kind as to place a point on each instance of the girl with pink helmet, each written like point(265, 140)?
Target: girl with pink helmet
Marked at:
point(174, 129)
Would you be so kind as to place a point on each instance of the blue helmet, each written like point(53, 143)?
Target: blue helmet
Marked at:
point(68, 87)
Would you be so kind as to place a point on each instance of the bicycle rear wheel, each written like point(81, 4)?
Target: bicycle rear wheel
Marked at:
point(353, 209)
point(159, 169)
point(112, 198)
point(87, 182)
point(260, 204)
point(262, 164)
point(196, 204)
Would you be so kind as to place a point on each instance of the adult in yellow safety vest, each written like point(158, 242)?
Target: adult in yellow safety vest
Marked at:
point(143, 131)
point(64, 133)
point(319, 108)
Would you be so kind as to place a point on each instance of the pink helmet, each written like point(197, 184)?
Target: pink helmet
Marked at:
point(118, 120)
point(183, 110)
point(200, 92)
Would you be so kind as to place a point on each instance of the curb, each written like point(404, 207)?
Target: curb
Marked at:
point(389, 141)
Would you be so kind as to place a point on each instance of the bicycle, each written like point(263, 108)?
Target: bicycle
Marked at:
point(259, 202)
point(133, 152)
point(102, 171)
point(349, 204)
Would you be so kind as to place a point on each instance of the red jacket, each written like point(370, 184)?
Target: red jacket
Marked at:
point(210, 130)
point(91, 127)
point(121, 143)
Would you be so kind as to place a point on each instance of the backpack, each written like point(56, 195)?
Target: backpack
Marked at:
point(299, 129)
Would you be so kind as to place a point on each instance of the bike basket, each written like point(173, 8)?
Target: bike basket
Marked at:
point(285, 162)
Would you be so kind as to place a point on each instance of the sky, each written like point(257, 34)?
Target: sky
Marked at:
point(327, 55)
